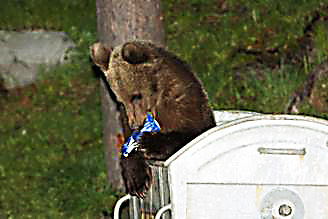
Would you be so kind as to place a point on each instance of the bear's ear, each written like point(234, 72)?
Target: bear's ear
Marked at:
point(134, 54)
point(100, 55)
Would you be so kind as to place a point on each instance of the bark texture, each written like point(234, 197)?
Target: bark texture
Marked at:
point(119, 21)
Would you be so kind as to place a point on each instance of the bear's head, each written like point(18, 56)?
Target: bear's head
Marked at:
point(132, 73)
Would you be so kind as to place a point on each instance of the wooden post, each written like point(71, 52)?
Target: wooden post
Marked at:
point(119, 21)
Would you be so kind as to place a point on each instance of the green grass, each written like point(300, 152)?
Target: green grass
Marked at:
point(48, 14)
point(52, 161)
point(245, 93)
point(54, 164)
point(211, 34)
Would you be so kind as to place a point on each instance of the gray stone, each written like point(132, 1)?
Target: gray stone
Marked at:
point(18, 74)
point(21, 53)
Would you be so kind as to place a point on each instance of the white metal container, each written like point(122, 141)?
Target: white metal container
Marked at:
point(266, 166)
point(157, 201)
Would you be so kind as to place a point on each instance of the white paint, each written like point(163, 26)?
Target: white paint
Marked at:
point(222, 174)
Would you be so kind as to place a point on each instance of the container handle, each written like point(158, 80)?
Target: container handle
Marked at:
point(118, 205)
point(282, 151)
point(162, 210)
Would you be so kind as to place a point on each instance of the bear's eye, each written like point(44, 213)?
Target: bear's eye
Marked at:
point(136, 97)
point(133, 54)
point(115, 55)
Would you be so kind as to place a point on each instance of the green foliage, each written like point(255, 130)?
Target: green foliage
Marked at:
point(321, 41)
point(270, 89)
point(217, 37)
point(48, 14)
point(54, 165)
point(53, 162)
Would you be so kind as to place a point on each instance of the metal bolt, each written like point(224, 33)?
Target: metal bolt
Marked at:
point(285, 210)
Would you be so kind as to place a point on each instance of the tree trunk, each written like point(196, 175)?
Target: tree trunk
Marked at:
point(119, 21)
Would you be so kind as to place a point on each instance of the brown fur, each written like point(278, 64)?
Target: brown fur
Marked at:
point(146, 78)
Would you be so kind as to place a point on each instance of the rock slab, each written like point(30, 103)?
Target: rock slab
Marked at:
point(21, 54)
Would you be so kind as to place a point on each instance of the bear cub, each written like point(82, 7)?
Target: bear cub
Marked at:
point(148, 79)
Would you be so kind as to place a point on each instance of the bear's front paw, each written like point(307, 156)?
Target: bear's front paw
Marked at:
point(136, 174)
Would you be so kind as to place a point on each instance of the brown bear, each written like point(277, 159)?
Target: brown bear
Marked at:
point(148, 79)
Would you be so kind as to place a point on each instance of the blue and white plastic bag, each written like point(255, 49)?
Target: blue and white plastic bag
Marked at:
point(150, 125)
